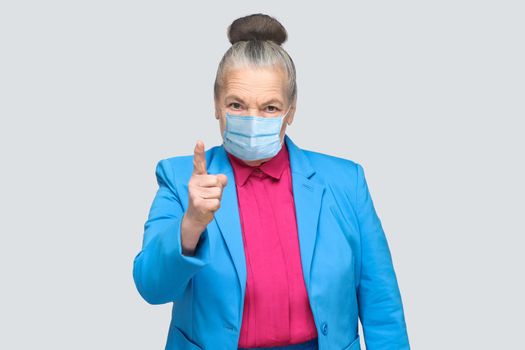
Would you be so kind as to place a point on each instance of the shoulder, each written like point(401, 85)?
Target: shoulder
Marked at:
point(333, 167)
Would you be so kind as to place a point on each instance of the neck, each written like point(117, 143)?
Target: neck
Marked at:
point(255, 162)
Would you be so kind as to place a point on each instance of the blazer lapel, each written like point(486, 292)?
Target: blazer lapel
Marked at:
point(227, 217)
point(307, 197)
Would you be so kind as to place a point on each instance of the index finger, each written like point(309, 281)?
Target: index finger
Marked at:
point(199, 159)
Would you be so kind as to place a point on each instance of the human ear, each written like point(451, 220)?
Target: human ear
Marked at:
point(217, 111)
point(291, 114)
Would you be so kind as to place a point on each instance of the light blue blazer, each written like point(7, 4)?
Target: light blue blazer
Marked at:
point(346, 261)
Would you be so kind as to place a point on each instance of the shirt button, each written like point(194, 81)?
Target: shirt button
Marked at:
point(324, 328)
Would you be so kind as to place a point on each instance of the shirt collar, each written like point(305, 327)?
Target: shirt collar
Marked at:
point(273, 167)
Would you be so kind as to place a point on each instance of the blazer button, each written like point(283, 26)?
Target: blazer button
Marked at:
point(324, 328)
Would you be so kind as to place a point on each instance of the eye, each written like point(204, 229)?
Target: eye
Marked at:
point(272, 109)
point(235, 105)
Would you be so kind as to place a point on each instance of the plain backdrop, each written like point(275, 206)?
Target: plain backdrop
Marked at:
point(427, 95)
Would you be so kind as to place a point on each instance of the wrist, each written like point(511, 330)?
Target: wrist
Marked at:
point(190, 235)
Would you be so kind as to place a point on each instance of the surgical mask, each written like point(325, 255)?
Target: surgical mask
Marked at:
point(253, 137)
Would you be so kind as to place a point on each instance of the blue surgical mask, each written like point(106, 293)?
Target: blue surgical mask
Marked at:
point(253, 137)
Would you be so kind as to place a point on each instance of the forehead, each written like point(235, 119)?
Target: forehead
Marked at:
point(255, 84)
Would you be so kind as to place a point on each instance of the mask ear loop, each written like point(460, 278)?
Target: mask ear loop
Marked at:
point(285, 114)
point(282, 122)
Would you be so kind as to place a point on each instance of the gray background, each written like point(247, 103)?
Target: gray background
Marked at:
point(427, 96)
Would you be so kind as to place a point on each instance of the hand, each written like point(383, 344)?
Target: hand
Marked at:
point(204, 199)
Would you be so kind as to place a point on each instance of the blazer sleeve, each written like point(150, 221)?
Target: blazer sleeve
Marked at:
point(379, 298)
point(160, 271)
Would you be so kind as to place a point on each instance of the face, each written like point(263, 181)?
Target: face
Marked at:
point(254, 91)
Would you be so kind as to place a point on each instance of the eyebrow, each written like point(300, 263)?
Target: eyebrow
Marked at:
point(272, 100)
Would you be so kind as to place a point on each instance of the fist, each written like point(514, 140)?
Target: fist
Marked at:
point(204, 192)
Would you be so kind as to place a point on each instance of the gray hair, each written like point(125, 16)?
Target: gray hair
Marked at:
point(256, 43)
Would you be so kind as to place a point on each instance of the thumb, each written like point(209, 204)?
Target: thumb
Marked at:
point(199, 159)
point(223, 179)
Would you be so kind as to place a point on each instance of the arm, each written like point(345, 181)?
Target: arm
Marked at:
point(380, 304)
point(160, 271)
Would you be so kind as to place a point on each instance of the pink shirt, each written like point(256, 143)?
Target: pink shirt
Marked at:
point(276, 307)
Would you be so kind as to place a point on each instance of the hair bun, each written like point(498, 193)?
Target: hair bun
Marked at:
point(257, 27)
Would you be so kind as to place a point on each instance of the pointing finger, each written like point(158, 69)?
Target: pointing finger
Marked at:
point(199, 159)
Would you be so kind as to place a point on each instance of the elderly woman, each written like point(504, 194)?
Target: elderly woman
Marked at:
point(257, 242)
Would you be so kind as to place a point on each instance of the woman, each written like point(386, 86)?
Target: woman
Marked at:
point(257, 242)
